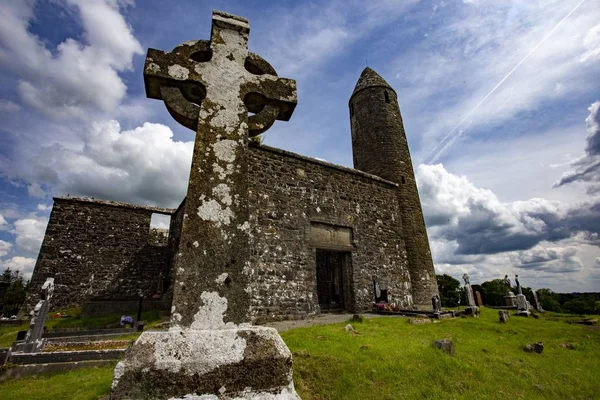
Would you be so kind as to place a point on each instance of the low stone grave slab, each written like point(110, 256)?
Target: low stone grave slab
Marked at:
point(62, 333)
point(65, 356)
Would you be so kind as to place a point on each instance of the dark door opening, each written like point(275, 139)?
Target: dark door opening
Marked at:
point(330, 279)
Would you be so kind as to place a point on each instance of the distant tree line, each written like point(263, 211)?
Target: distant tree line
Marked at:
point(493, 294)
point(14, 295)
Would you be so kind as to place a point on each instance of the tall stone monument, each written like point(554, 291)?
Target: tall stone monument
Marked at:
point(211, 348)
point(472, 308)
point(521, 300)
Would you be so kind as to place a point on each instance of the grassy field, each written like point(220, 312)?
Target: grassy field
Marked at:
point(391, 359)
point(82, 384)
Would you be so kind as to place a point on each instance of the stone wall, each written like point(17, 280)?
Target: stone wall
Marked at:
point(290, 195)
point(99, 249)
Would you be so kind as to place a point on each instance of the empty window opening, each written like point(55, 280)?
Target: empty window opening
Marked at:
point(159, 229)
point(387, 96)
point(351, 110)
point(403, 180)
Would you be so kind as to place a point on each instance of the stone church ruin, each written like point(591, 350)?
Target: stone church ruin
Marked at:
point(286, 235)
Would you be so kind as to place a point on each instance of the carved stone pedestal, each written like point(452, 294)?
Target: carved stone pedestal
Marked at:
point(196, 364)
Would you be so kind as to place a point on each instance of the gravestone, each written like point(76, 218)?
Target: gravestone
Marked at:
point(211, 350)
point(536, 302)
point(478, 300)
point(471, 308)
point(521, 300)
point(436, 303)
point(511, 299)
point(522, 305)
point(33, 339)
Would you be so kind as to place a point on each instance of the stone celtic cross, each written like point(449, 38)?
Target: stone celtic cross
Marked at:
point(211, 348)
point(210, 87)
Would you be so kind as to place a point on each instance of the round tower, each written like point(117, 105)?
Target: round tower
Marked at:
point(379, 147)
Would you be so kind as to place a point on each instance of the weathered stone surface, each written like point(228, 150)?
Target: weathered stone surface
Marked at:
point(97, 248)
point(522, 306)
point(217, 361)
point(285, 206)
point(537, 347)
point(446, 345)
point(380, 147)
point(536, 302)
point(503, 316)
point(211, 349)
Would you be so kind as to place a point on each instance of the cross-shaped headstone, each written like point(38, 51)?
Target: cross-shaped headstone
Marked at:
point(211, 348)
point(211, 87)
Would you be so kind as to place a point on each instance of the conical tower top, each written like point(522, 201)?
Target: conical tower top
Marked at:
point(370, 78)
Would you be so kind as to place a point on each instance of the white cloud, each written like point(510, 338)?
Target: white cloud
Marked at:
point(3, 224)
point(18, 263)
point(29, 234)
point(80, 74)
point(143, 165)
point(592, 45)
point(35, 190)
point(471, 231)
point(476, 47)
point(44, 207)
point(4, 248)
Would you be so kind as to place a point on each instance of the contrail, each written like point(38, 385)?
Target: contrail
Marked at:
point(433, 156)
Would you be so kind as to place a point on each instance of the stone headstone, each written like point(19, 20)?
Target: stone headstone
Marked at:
point(211, 348)
point(519, 288)
point(536, 302)
point(33, 339)
point(511, 299)
point(522, 305)
point(478, 300)
point(503, 316)
point(436, 303)
point(471, 309)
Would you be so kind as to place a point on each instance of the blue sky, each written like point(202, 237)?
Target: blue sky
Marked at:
point(500, 102)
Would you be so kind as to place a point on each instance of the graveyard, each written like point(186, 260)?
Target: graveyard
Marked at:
point(280, 276)
point(389, 358)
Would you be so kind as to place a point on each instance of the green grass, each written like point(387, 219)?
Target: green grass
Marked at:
point(391, 359)
point(8, 334)
point(82, 384)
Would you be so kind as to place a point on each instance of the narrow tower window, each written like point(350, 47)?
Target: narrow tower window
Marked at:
point(403, 180)
point(351, 110)
point(387, 96)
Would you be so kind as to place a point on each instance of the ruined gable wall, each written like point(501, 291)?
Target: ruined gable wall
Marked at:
point(108, 240)
point(287, 192)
